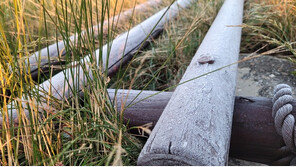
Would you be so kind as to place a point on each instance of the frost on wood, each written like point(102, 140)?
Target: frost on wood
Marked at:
point(57, 50)
point(195, 126)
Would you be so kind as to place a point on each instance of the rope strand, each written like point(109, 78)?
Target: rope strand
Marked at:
point(283, 119)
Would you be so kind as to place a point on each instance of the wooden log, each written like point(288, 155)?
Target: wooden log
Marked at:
point(57, 51)
point(147, 111)
point(195, 126)
point(124, 47)
point(253, 135)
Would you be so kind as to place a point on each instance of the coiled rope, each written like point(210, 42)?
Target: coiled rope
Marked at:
point(283, 119)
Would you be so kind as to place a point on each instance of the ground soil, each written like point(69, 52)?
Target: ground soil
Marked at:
point(258, 76)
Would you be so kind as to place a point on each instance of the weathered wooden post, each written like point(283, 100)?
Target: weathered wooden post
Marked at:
point(195, 127)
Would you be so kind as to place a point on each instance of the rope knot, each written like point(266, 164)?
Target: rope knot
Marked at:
point(283, 119)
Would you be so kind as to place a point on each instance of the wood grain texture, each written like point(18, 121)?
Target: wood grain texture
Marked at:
point(123, 48)
point(253, 136)
point(195, 126)
point(56, 51)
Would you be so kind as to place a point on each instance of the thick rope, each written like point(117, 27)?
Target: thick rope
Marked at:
point(283, 119)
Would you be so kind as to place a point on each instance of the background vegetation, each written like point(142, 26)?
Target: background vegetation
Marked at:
point(90, 131)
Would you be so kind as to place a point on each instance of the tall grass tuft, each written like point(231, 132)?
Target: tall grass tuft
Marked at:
point(270, 24)
point(76, 131)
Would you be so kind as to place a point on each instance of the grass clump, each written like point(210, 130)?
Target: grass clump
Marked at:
point(270, 24)
point(76, 131)
point(47, 21)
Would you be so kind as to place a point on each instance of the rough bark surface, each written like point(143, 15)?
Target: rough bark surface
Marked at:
point(195, 127)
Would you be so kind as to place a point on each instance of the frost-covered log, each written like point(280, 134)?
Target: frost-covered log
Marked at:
point(123, 48)
point(195, 126)
point(56, 51)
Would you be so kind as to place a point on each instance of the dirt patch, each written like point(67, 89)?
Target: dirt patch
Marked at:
point(259, 76)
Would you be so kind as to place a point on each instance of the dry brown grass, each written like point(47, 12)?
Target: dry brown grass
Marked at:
point(31, 12)
point(270, 23)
